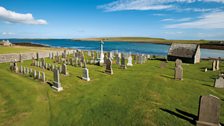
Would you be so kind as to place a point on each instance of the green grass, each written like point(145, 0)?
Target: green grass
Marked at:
point(141, 95)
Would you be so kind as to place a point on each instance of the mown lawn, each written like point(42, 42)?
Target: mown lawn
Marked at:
point(141, 95)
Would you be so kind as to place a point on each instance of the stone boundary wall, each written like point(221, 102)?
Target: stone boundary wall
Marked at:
point(4, 58)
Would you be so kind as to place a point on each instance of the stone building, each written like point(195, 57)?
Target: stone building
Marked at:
point(5, 43)
point(188, 53)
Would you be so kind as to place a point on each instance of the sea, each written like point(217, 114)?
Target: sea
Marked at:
point(135, 48)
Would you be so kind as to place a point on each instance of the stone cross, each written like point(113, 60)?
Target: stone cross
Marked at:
point(179, 73)
point(101, 60)
point(130, 61)
point(86, 74)
point(209, 111)
point(109, 69)
point(123, 64)
point(57, 83)
point(219, 83)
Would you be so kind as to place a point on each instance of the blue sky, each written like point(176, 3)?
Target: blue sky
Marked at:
point(170, 19)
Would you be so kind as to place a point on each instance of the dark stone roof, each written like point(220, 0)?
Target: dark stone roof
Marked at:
point(183, 50)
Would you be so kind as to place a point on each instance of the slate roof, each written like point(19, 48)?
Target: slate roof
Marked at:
point(183, 50)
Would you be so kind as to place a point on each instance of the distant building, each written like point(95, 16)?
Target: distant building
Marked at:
point(188, 53)
point(5, 43)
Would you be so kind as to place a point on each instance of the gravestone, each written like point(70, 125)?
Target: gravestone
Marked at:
point(130, 61)
point(118, 60)
point(209, 111)
point(24, 70)
point(21, 69)
point(20, 58)
point(123, 64)
point(43, 77)
point(219, 83)
point(38, 75)
point(214, 65)
point(109, 69)
point(163, 64)
point(56, 83)
point(35, 74)
point(217, 65)
point(206, 69)
point(179, 73)
point(86, 74)
point(178, 62)
point(37, 56)
point(64, 69)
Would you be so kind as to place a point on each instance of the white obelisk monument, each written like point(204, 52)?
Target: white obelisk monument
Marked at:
point(101, 60)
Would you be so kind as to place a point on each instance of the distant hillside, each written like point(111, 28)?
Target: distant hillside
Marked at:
point(143, 39)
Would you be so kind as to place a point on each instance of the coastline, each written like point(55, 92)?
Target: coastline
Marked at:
point(204, 45)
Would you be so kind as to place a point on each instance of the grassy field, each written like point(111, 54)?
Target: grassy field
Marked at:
point(141, 95)
point(145, 40)
point(23, 49)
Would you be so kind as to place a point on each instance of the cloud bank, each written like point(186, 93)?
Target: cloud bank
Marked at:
point(13, 17)
point(207, 21)
point(121, 5)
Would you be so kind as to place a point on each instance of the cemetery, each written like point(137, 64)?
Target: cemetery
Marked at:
point(81, 87)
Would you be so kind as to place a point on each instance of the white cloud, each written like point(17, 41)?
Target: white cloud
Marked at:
point(13, 17)
point(207, 21)
point(7, 33)
point(120, 5)
point(177, 20)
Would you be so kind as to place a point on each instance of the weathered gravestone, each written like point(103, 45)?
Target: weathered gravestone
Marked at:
point(214, 65)
point(43, 77)
point(37, 55)
point(209, 111)
point(178, 62)
point(109, 69)
point(118, 60)
point(123, 64)
point(163, 64)
point(21, 69)
point(217, 65)
point(34, 74)
point(178, 73)
point(86, 74)
point(219, 83)
point(64, 69)
point(20, 58)
point(130, 61)
point(57, 83)
point(38, 75)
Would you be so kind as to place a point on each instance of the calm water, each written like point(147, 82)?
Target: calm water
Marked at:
point(147, 48)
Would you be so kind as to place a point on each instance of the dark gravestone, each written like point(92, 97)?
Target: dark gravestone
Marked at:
point(209, 111)
point(109, 69)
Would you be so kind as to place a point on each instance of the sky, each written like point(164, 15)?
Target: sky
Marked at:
point(169, 19)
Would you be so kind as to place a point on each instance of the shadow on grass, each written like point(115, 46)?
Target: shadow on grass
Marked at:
point(191, 118)
point(207, 85)
point(50, 84)
point(100, 71)
point(79, 77)
point(166, 76)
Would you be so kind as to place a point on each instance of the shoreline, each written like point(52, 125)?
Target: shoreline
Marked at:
point(215, 46)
